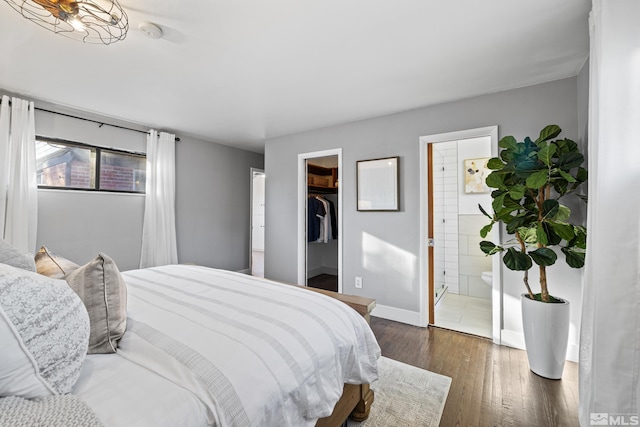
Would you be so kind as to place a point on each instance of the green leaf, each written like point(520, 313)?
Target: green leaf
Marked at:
point(564, 230)
point(520, 220)
point(570, 160)
point(528, 234)
point(554, 239)
point(541, 235)
point(486, 229)
point(546, 153)
point(495, 180)
point(564, 213)
point(497, 203)
point(550, 208)
point(505, 215)
point(508, 142)
point(544, 256)
point(516, 260)
point(580, 239)
point(566, 176)
point(549, 132)
point(582, 174)
point(516, 192)
point(560, 186)
point(506, 155)
point(495, 163)
point(566, 146)
point(490, 248)
point(528, 164)
point(484, 212)
point(574, 257)
point(538, 179)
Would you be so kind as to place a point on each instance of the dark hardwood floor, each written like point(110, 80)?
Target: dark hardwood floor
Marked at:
point(491, 385)
point(328, 282)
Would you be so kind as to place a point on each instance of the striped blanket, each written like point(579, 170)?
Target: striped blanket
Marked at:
point(245, 351)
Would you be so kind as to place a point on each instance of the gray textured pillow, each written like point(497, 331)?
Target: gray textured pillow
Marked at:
point(44, 331)
point(101, 287)
point(12, 256)
point(52, 265)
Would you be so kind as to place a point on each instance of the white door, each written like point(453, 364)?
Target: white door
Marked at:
point(257, 222)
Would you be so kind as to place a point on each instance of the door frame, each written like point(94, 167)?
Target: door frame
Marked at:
point(426, 300)
point(302, 212)
point(252, 171)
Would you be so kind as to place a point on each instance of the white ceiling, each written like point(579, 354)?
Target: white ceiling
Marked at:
point(239, 71)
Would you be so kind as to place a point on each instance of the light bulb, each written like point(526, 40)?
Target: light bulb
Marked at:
point(76, 24)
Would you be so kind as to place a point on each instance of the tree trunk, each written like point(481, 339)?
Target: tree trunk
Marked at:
point(544, 292)
point(523, 248)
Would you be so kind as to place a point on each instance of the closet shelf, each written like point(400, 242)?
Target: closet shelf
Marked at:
point(321, 189)
point(321, 179)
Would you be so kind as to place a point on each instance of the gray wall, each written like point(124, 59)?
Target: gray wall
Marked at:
point(213, 185)
point(583, 107)
point(519, 112)
point(212, 200)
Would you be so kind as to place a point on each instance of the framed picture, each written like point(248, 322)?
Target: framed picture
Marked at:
point(377, 184)
point(475, 174)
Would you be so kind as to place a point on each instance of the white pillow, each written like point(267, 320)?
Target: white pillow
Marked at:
point(44, 331)
point(12, 256)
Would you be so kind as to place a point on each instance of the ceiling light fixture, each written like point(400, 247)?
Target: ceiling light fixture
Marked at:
point(90, 21)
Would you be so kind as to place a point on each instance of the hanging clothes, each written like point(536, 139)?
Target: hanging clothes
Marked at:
point(325, 223)
point(315, 213)
point(334, 220)
point(322, 224)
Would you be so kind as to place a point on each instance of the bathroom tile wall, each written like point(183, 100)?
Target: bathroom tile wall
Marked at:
point(472, 261)
point(445, 174)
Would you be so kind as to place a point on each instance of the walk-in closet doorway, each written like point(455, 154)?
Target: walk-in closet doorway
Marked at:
point(320, 219)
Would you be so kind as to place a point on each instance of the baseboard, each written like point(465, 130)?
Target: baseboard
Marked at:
point(397, 315)
point(516, 340)
point(330, 270)
point(323, 269)
point(512, 338)
point(572, 352)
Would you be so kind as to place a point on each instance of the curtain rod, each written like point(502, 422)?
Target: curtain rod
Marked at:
point(90, 120)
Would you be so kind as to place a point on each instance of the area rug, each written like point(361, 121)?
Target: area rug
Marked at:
point(406, 396)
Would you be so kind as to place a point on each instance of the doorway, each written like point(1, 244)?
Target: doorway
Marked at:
point(456, 293)
point(320, 234)
point(256, 255)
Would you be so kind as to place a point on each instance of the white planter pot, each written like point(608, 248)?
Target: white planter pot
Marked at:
point(546, 335)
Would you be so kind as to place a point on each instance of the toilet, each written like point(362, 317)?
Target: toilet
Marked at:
point(487, 277)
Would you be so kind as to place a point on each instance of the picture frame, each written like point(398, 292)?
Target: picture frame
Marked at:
point(377, 184)
point(475, 175)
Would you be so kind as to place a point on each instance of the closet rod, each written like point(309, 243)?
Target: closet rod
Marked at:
point(90, 120)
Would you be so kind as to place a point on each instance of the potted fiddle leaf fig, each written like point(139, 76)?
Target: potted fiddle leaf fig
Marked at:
point(529, 179)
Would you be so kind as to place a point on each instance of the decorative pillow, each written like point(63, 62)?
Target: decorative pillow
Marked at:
point(101, 287)
point(52, 265)
point(11, 256)
point(44, 331)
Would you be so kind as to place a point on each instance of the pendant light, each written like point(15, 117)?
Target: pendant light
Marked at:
point(90, 21)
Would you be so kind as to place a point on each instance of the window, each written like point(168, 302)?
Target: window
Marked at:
point(76, 166)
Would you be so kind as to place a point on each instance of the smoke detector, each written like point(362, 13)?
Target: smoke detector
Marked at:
point(150, 30)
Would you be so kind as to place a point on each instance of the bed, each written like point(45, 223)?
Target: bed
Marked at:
point(209, 347)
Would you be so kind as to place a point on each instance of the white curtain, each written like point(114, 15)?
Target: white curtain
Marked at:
point(18, 186)
point(159, 229)
point(610, 331)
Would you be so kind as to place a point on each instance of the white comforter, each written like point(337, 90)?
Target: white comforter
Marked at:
point(213, 347)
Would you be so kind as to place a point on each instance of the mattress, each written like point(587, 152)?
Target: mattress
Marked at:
point(213, 347)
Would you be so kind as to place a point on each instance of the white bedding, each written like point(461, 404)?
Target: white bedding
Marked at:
point(213, 347)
